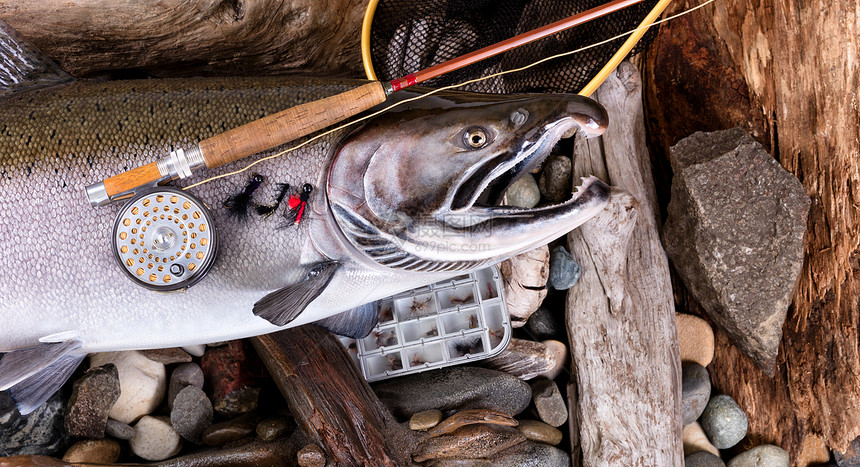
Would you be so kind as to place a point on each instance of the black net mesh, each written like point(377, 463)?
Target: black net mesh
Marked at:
point(408, 36)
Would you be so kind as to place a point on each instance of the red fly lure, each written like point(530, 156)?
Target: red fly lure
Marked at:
point(298, 203)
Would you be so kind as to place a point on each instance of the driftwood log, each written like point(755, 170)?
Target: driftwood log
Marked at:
point(194, 37)
point(787, 72)
point(330, 400)
point(625, 406)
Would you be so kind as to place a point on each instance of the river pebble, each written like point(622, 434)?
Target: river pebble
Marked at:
point(696, 339)
point(531, 454)
point(143, 383)
point(766, 455)
point(555, 182)
point(543, 325)
point(703, 459)
point(695, 440)
point(273, 428)
point(167, 356)
point(564, 271)
point(118, 430)
point(155, 439)
point(548, 402)
point(191, 414)
point(94, 451)
point(311, 456)
point(187, 374)
point(724, 421)
point(523, 193)
point(425, 420)
point(695, 391)
point(222, 433)
point(540, 432)
point(93, 396)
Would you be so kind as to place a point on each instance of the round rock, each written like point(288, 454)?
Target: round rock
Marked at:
point(555, 182)
point(695, 391)
point(455, 387)
point(425, 420)
point(549, 403)
point(540, 432)
point(724, 421)
point(766, 455)
point(696, 339)
point(311, 456)
point(563, 270)
point(191, 414)
point(187, 374)
point(523, 193)
point(543, 325)
point(154, 439)
point(118, 430)
point(703, 459)
point(529, 453)
point(695, 440)
point(143, 383)
point(229, 431)
point(271, 429)
point(93, 451)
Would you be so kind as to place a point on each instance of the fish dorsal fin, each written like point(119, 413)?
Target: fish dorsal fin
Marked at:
point(23, 67)
point(33, 374)
point(283, 305)
point(356, 323)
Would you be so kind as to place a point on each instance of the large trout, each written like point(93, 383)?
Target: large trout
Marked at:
point(404, 200)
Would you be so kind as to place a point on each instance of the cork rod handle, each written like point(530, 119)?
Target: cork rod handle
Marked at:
point(287, 125)
point(132, 179)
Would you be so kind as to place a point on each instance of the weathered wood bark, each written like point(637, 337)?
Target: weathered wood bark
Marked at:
point(789, 73)
point(194, 37)
point(330, 400)
point(625, 395)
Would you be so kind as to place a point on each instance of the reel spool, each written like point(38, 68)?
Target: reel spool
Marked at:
point(164, 239)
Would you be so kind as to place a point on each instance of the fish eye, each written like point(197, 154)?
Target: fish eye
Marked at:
point(475, 137)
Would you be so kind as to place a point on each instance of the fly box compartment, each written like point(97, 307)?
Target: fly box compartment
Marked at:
point(459, 320)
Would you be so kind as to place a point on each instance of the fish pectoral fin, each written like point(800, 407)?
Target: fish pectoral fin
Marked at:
point(285, 304)
point(355, 323)
point(34, 374)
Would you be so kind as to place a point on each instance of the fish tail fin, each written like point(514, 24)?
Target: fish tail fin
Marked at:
point(34, 374)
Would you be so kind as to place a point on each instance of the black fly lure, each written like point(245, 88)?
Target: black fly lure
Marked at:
point(266, 210)
point(238, 203)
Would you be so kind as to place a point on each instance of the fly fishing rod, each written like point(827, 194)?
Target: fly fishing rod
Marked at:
point(302, 120)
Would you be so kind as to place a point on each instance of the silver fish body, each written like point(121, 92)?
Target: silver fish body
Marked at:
point(376, 189)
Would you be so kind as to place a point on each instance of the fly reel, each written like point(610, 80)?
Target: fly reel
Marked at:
point(164, 239)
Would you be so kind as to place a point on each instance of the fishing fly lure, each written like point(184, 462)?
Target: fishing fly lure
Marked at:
point(237, 204)
point(297, 205)
point(266, 210)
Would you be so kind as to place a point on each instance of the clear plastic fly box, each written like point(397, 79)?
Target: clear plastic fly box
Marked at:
point(459, 320)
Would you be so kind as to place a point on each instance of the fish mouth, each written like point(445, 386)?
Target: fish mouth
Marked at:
point(482, 189)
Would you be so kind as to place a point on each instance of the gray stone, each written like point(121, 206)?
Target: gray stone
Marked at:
point(734, 233)
point(703, 459)
point(766, 455)
point(93, 395)
point(456, 387)
point(724, 422)
point(549, 403)
point(118, 430)
point(531, 454)
point(555, 182)
point(187, 374)
point(563, 270)
point(191, 414)
point(540, 432)
point(851, 456)
point(39, 433)
point(695, 391)
point(523, 192)
point(543, 325)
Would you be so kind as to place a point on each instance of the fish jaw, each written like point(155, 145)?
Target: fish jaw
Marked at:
point(413, 202)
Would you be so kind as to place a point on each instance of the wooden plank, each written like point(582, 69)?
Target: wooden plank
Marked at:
point(625, 405)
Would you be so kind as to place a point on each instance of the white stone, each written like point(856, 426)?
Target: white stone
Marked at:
point(154, 439)
point(766, 455)
point(562, 357)
point(195, 350)
point(695, 440)
point(143, 383)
